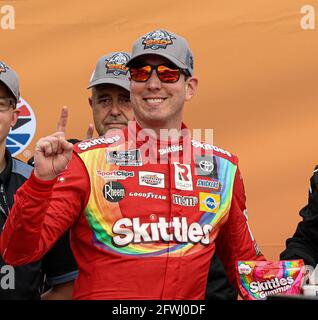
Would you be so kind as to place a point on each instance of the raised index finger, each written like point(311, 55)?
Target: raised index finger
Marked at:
point(61, 125)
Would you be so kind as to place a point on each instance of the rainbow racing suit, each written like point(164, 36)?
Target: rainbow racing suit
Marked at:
point(139, 229)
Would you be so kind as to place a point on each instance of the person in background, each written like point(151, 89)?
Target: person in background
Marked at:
point(304, 243)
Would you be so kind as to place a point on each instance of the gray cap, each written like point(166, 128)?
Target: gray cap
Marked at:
point(112, 69)
point(167, 44)
point(10, 79)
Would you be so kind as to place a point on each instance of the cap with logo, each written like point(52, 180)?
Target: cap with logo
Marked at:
point(166, 44)
point(112, 69)
point(10, 79)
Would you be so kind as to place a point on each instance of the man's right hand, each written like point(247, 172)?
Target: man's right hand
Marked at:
point(53, 153)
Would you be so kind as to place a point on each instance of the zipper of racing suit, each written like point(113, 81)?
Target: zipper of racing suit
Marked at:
point(170, 264)
point(168, 243)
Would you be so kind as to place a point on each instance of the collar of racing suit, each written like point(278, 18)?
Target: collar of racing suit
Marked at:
point(173, 145)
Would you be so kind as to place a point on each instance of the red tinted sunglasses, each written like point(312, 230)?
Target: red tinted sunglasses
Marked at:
point(164, 73)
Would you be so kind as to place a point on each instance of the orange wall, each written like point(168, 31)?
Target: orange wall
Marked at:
point(258, 75)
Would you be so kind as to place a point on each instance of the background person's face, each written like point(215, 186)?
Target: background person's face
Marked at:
point(111, 107)
point(157, 104)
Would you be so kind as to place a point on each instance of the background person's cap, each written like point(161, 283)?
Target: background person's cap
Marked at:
point(10, 79)
point(112, 69)
point(167, 44)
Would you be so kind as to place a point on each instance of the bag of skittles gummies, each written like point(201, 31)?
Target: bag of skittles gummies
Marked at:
point(259, 279)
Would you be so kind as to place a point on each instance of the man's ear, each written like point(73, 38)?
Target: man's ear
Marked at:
point(15, 116)
point(191, 87)
point(90, 101)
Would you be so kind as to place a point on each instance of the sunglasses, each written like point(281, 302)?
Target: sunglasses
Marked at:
point(164, 73)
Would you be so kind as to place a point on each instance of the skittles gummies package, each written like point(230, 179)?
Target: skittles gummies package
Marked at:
point(259, 279)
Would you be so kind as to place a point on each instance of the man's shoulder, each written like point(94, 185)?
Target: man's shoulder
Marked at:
point(208, 148)
point(20, 168)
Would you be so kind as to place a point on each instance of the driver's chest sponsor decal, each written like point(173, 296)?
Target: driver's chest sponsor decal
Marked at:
point(113, 191)
point(124, 157)
point(151, 179)
point(183, 176)
point(179, 230)
point(206, 166)
point(115, 174)
point(215, 185)
point(186, 201)
point(209, 202)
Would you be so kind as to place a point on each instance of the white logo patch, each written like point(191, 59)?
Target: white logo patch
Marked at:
point(151, 179)
point(183, 176)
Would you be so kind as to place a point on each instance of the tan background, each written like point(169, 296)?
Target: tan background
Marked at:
point(258, 74)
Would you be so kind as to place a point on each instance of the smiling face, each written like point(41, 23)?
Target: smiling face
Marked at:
point(111, 107)
point(157, 104)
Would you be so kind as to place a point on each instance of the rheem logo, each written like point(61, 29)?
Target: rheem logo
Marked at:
point(23, 132)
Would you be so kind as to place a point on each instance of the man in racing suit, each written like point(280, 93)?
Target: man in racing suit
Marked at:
point(145, 212)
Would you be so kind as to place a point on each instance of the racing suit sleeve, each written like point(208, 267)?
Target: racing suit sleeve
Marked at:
point(42, 212)
point(304, 243)
point(235, 241)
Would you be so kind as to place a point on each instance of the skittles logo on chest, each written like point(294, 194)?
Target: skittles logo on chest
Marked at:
point(23, 132)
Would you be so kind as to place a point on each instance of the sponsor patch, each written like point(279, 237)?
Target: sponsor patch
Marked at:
point(178, 229)
point(173, 148)
point(148, 195)
point(113, 191)
point(210, 184)
point(209, 202)
point(183, 176)
point(97, 141)
point(124, 157)
point(117, 64)
point(186, 201)
point(115, 175)
point(206, 166)
point(207, 146)
point(151, 179)
point(158, 39)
